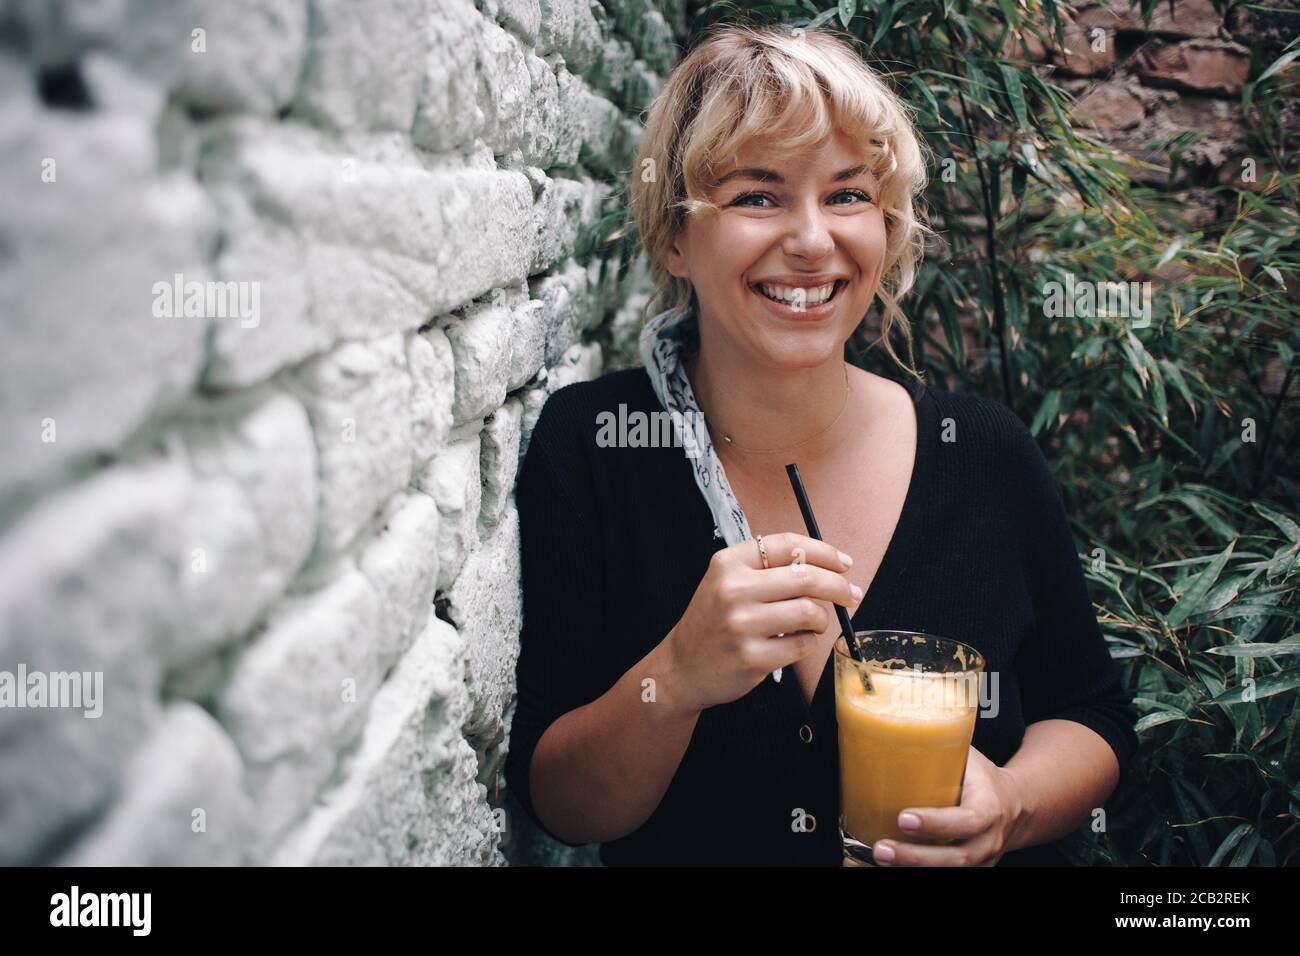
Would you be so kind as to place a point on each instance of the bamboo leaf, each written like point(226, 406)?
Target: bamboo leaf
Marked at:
point(1203, 510)
point(1174, 374)
point(1015, 94)
point(1193, 598)
point(1231, 840)
point(1286, 525)
point(886, 20)
point(1046, 410)
point(1247, 849)
point(1277, 65)
point(1256, 650)
point(1156, 719)
point(1170, 252)
point(1269, 686)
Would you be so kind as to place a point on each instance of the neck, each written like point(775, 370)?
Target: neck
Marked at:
point(765, 408)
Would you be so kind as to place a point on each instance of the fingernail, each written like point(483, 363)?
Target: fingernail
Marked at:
point(846, 560)
point(882, 853)
point(857, 592)
point(909, 821)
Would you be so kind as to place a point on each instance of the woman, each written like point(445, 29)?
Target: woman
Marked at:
point(663, 583)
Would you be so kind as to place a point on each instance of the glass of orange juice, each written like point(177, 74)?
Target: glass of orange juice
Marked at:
point(906, 715)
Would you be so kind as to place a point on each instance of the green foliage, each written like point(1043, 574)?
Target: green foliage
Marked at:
point(1172, 437)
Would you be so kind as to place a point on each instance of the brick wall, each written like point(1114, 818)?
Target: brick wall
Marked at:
point(1140, 86)
point(285, 284)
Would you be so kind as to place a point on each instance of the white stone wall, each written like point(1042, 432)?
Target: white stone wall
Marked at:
point(284, 532)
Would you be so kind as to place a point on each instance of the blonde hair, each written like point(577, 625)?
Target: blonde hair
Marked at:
point(793, 89)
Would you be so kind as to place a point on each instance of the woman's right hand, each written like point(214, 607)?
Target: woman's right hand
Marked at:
point(725, 643)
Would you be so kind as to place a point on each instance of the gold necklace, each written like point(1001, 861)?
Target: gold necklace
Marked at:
point(732, 444)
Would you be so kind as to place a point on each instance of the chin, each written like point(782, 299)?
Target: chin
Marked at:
point(804, 355)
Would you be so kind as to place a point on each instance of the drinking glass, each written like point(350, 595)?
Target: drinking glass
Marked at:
point(906, 716)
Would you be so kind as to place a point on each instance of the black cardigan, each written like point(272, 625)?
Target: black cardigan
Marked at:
point(615, 541)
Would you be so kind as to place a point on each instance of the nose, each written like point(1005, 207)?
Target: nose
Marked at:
point(808, 235)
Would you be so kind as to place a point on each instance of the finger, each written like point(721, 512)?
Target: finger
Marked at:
point(793, 581)
point(795, 614)
point(916, 854)
point(780, 551)
point(769, 653)
point(945, 823)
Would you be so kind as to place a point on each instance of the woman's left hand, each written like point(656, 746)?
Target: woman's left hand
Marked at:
point(981, 826)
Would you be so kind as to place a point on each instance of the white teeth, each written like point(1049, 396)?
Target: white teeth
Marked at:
point(809, 297)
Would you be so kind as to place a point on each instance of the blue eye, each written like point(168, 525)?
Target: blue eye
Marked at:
point(740, 200)
point(854, 192)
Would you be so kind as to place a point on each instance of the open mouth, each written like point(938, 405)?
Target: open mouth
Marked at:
point(807, 303)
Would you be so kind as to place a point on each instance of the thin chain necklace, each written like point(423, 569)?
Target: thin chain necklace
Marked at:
point(732, 444)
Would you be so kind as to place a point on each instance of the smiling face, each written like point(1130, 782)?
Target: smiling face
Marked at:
point(796, 226)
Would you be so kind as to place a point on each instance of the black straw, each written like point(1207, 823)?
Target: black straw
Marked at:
point(792, 470)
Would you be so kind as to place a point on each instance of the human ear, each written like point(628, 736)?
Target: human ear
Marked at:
point(675, 260)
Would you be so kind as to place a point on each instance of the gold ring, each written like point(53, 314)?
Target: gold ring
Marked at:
point(762, 551)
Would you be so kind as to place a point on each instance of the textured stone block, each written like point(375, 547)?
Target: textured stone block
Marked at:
point(533, 400)
point(539, 133)
point(561, 209)
point(452, 479)
point(527, 344)
point(252, 57)
point(500, 461)
point(358, 399)
point(88, 583)
point(271, 253)
point(154, 36)
point(452, 110)
point(555, 32)
point(1189, 18)
point(480, 342)
point(432, 366)
point(382, 240)
point(504, 88)
point(365, 63)
point(522, 17)
point(1111, 107)
point(1088, 51)
point(250, 521)
point(579, 364)
point(182, 801)
point(563, 301)
point(1202, 66)
point(582, 52)
point(83, 254)
point(402, 566)
point(298, 696)
point(485, 604)
point(409, 795)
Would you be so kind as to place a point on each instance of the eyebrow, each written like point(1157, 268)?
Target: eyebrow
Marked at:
point(768, 176)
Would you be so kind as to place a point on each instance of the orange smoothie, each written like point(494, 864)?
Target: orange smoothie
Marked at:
point(904, 745)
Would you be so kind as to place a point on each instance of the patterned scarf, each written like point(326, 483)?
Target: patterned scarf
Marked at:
point(666, 340)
